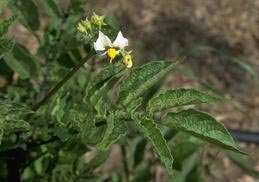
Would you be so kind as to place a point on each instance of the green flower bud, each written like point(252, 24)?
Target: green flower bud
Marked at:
point(97, 20)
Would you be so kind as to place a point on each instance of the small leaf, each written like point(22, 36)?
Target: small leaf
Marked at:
point(247, 67)
point(6, 45)
point(101, 107)
point(153, 134)
point(16, 66)
point(134, 105)
point(188, 165)
point(62, 133)
point(142, 175)
point(115, 129)
point(179, 97)
point(12, 126)
point(181, 151)
point(21, 62)
point(199, 49)
point(112, 22)
point(4, 25)
point(137, 151)
point(243, 162)
point(30, 13)
point(3, 4)
point(1, 129)
point(51, 8)
point(143, 78)
point(84, 123)
point(105, 75)
point(97, 160)
point(201, 125)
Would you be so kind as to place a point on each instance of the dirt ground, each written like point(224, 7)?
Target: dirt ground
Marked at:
point(167, 29)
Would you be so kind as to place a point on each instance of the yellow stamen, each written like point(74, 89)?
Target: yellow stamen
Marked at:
point(111, 52)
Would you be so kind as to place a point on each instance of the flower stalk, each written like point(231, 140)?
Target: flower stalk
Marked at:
point(63, 81)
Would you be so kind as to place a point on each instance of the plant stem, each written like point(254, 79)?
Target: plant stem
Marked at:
point(125, 163)
point(62, 82)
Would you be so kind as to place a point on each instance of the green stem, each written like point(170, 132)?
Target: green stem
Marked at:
point(62, 82)
point(125, 163)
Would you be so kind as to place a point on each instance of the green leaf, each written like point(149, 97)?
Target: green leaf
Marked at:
point(11, 126)
point(247, 67)
point(6, 45)
point(65, 60)
point(62, 133)
point(16, 65)
point(199, 49)
point(20, 61)
point(142, 175)
point(137, 151)
point(3, 4)
point(51, 8)
point(105, 75)
point(243, 162)
point(76, 7)
point(69, 58)
point(134, 105)
point(179, 97)
point(1, 129)
point(97, 160)
point(188, 165)
point(181, 151)
point(201, 125)
point(112, 22)
point(84, 123)
point(115, 129)
point(154, 135)
point(4, 25)
point(143, 78)
point(30, 13)
point(101, 107)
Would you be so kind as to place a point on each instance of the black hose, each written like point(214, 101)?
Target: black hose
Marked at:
point(245, 136)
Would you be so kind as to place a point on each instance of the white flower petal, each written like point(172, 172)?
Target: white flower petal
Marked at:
point(102, 42)
point(120, 41)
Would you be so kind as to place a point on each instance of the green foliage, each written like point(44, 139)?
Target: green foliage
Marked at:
point(4, 25)
point(247, 67)
point(137, 151)
point(52, 8)
point(6, 45)
point(29, 14)
point(3, 4)
point(243, 162)
point(191, 121)
point(143, 78)
point(21, 61)
point(179, 97)
point(115, 129)
point(154, 136)
point(52, 113)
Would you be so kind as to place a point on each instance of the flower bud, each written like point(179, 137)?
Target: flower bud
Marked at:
point(127, 60)
point(97, 20)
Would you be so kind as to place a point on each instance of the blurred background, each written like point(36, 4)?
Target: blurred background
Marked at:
point(220, 42)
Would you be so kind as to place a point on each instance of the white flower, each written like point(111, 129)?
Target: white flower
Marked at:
point(103, 44)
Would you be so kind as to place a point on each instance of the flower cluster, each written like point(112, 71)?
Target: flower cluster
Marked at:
point(103, 44)
point(89, 27)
